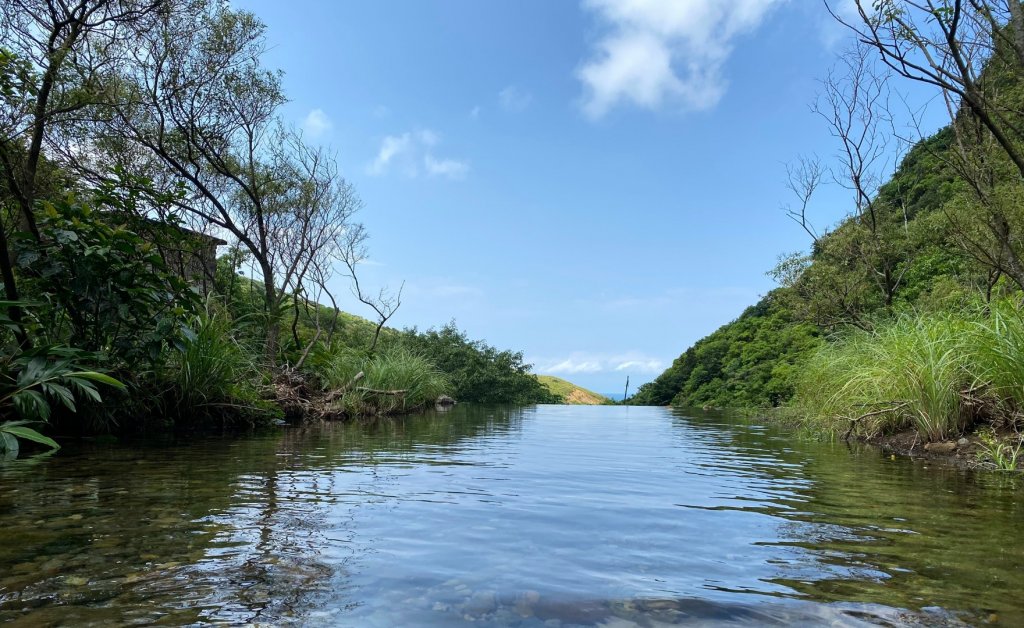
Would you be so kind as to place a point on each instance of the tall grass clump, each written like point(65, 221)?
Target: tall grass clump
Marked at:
point(214, 374)
point(999, 353)
point(909, 372)
point(337, 367)
point(398, 380)
point(393, 381)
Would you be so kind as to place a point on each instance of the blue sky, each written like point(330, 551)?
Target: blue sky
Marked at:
point(597, 183)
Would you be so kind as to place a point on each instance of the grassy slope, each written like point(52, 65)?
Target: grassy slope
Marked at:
point(572, 393)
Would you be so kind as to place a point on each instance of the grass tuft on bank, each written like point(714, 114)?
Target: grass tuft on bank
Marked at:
point(938, 373)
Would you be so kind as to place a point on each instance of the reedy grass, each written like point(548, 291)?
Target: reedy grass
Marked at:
point(906, 373)
point(1002, 455)
point(999, 354)
point(214, 371)
point(394, 381)
point(400, 369)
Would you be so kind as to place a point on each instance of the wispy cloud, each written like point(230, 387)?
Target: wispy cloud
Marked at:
point(641, 366)
point(451, 168)
point(657, 53)
point(514, 99)
point(412, 153)
point(586, 362)
point(316, 124)
point(475, 112)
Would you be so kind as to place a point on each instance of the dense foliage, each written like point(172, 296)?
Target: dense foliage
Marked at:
point(755, 360)
point(478, 372)
point(134, 135)
point(749, 362)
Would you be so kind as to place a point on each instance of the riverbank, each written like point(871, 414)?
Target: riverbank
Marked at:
point(985, 449)
point(982, 446)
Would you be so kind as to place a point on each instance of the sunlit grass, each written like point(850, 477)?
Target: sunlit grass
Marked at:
point(907, 373)
point(393, 381)
point(999, 354)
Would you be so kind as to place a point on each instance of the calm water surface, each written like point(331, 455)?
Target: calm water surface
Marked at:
point(542, 516)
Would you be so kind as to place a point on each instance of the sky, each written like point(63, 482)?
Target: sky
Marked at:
point(597, 183)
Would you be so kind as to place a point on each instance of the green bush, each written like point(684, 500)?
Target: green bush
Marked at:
point(478, 372)
point(108, 289)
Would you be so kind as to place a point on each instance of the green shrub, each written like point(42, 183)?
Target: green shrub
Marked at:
point(107, 288)
point(478, 372)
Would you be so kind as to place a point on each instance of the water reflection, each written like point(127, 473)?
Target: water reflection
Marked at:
point(854, 524)
point(546, 516)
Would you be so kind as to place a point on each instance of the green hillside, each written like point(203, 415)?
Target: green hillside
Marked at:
point(571, 393)
point(941, 238)
point(755, 359)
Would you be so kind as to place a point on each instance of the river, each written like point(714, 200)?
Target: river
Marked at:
point(552, 516)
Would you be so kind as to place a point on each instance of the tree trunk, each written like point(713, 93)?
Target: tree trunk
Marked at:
point(11, 289)
point(273, 308)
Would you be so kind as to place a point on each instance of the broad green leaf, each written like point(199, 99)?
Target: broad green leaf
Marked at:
point(97, 377)
point(32, 405)
point(8, 443)
point(61, 393)
point(28, 433)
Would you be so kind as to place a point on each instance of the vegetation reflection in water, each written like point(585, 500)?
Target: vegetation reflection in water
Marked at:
point(538, 516)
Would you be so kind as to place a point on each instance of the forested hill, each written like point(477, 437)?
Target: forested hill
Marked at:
point(748, 362)
point(911, 258)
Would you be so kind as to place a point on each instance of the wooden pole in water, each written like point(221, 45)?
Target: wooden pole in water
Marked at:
point(625, 395)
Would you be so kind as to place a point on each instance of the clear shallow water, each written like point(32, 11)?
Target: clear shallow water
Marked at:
point(545, 516)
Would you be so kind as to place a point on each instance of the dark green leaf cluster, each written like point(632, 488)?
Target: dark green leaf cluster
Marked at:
point(478, 372)
point(108, 288)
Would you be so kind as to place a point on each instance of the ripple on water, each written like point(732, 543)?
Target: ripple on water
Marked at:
point(545, 516)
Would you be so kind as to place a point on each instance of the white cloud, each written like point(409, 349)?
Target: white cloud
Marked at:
point(428, 137)
point(412, 153)
point(451, 168)
point(475, 112)
point(317, 124)
point(392, 147)
point(658, 53)
point(585, 362)
point(514, 99)
point(641, 366)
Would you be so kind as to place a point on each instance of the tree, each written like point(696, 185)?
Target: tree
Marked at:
point(53, 55)
point(949, 44)
point(973, 52)
point(194, 104)
point(855, 106)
